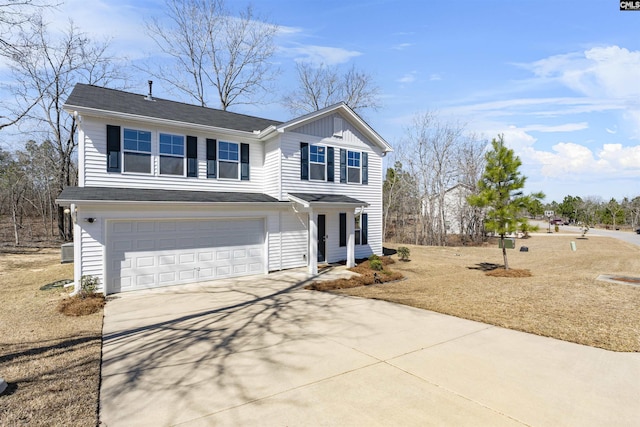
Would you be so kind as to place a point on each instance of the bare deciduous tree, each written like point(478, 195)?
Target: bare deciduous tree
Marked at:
point(444, 165)
point(14, 14)
point(47, 68)
point(321, 86)
point(212, 50)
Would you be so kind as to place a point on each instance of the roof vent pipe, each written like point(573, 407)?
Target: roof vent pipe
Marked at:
point(150, 96)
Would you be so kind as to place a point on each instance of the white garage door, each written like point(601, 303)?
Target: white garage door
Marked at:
point(147, 254)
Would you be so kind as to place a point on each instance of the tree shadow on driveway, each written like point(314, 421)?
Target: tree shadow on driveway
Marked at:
point(182, 353)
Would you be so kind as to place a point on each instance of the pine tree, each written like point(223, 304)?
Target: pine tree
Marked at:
point(500, 193)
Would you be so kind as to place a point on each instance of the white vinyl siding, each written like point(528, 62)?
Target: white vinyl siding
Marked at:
point(294, 239)
point(95, 171)
point(272, 164)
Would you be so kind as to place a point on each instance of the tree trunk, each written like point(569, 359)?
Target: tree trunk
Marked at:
point(504, 253)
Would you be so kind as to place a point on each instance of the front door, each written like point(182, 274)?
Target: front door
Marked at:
point(322, 235)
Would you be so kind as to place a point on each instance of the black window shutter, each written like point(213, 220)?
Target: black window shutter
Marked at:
point(113, 148)
point(364, 227)
point(244, 162)
point(304, 161)
point(330, 164)
point(192, 156)
point(343, 165)
point(365, 168)
point(343, 229)
point(211, 158)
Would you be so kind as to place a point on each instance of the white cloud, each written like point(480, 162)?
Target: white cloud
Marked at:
point(601, 72)
point(567, 127)
point(435, 77)
point(320, 54)
point(402, 46)
point(408, 78)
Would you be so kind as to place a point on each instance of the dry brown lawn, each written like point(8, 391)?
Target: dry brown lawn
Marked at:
point(51, 361)
point(562, 298)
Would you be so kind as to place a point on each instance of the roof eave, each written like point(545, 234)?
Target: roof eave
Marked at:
point(361, 124)
point(306, 204)
point(71, 109)
point(67, 202)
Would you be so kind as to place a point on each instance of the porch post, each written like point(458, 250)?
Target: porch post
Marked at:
point(313, 243)
point(351, 240)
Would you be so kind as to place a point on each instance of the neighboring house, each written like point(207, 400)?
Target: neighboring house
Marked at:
point(456, 213)
point(170, 193)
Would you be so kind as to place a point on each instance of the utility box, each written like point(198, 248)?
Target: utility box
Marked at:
point(509, 243)
point(66, 253)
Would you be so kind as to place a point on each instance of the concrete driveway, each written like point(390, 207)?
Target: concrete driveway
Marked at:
point(262, 351)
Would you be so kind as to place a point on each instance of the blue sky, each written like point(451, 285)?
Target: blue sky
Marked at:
point(560, 79)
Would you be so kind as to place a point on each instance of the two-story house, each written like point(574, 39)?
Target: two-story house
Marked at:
point(170, 193)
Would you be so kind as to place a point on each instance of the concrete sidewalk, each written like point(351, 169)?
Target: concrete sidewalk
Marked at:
point(262, 351)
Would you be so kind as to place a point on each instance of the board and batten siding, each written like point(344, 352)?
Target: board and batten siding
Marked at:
point(370, 193)
point(96, 175)
point(325, 127)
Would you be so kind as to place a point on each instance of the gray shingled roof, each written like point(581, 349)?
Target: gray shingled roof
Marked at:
point(100, 98)
point(327, 198)
point(93, 194)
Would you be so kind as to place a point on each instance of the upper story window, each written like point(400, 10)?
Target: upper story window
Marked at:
point(137, 151)
point(317, 162)
point(171, 154)
point(353, 167)
point(228, 159)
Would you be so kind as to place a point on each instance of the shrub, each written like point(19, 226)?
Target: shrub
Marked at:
point(403, 253)
point(375, 264)
point(88, 286)
point(374, 257)
point(86, 301)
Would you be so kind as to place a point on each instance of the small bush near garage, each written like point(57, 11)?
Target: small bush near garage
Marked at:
point(87, 301)
point(368, 274)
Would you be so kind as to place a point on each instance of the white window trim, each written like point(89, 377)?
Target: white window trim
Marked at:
point(354, 167)
point(183, 156)
point(326, 153)
point(124, 150)
point(218, 160)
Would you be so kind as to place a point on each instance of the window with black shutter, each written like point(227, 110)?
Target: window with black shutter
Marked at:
point(212, 151)
point(192, 156)
point(113, 148)
point(304, 161)
point(343, 229)
point(244, 162)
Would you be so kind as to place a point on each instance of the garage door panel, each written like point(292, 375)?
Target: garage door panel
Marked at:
point(167, 226)
point(205, 256)
point(145, 261)
point(145, 226)
point(167, 277)
point(144, 244)
point(122, 246)
point(145, 254)
point(188, 258)
point(223, 271)
point(166, 260)
point(145, 280)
